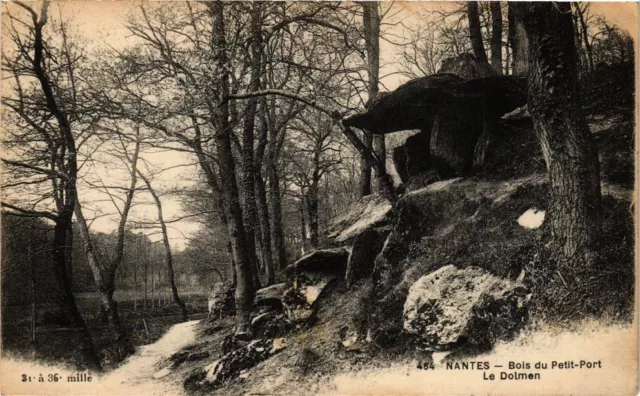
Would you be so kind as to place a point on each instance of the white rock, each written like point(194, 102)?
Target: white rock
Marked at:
point(532, 218)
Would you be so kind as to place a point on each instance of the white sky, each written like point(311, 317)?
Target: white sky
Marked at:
point(102, 22)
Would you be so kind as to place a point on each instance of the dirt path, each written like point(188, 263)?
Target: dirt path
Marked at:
point(139, 374)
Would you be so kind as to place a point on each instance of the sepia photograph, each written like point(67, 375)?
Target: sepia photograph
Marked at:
point(318, 198)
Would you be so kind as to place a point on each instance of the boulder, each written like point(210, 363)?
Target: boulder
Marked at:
point(413, 156)
point(270, 324)
point(270, 296)
point(234, 363)
point(469, 306)
point(298, 302)
point(366, 247)
point(370, 211)
point(220, 299)
point(322, 260)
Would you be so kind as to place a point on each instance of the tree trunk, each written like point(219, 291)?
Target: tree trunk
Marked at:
point(68, 301)
point(248, 170)
point(103, 276)
point(265, 229)
point(365, 166)
point(496, 36)
point(146, 279)
point(275, 203)
point(261, 196)
point(245, 288)
point(519, 42)
point(312, 211)
point(70, 253)
point(371, 24)
point(475, 33)
point(303, 224)
point(567, 146)
point(32, 275)
point(167, 250)
point(585, 35)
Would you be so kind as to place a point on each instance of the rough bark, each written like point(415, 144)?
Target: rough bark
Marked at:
point(275, 203)
point(250, 213)
point(475, 33)
point(365, 166)
point(567, 146)
point(371, 24)
point(496, 36)
point(261, 199)
point(312, 211)
point(244, 283)
point(90, 357)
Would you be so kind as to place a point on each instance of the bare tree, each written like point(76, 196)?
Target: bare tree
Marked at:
point(167, 247)
point(45, 114)
point(496, 36)
point(475, 33)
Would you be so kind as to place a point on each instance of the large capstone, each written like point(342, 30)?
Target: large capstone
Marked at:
point(454, 115)
point(322, 260)
point(452, 306)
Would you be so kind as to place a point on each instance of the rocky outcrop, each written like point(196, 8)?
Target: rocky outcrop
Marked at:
point(460, 222)
point(366, 247)
point(234, 364)
point(370, 211)
point(270, 296)
point(220, 299)
point(413, 156)
point(452, 306)
point(299, 300)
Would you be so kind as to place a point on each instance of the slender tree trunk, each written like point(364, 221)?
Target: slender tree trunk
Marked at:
point(365, 166)
point(496, 36)
point(167, 251)
point(303, 223)
point(567, 146)
point(248, 171)
point(475, 33)
point(103, 277)
point(312, 211)
point(275, 205)
point(32, 275)
point(146, 279)
point(371, 24)
point(244, 288)
point(263, 212)
point(585, 36)
point(70, 253)
point(519, 42)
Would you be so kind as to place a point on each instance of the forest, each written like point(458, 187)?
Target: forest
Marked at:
point(277, 170)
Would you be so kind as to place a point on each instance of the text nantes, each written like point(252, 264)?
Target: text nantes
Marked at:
point(473, 365)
